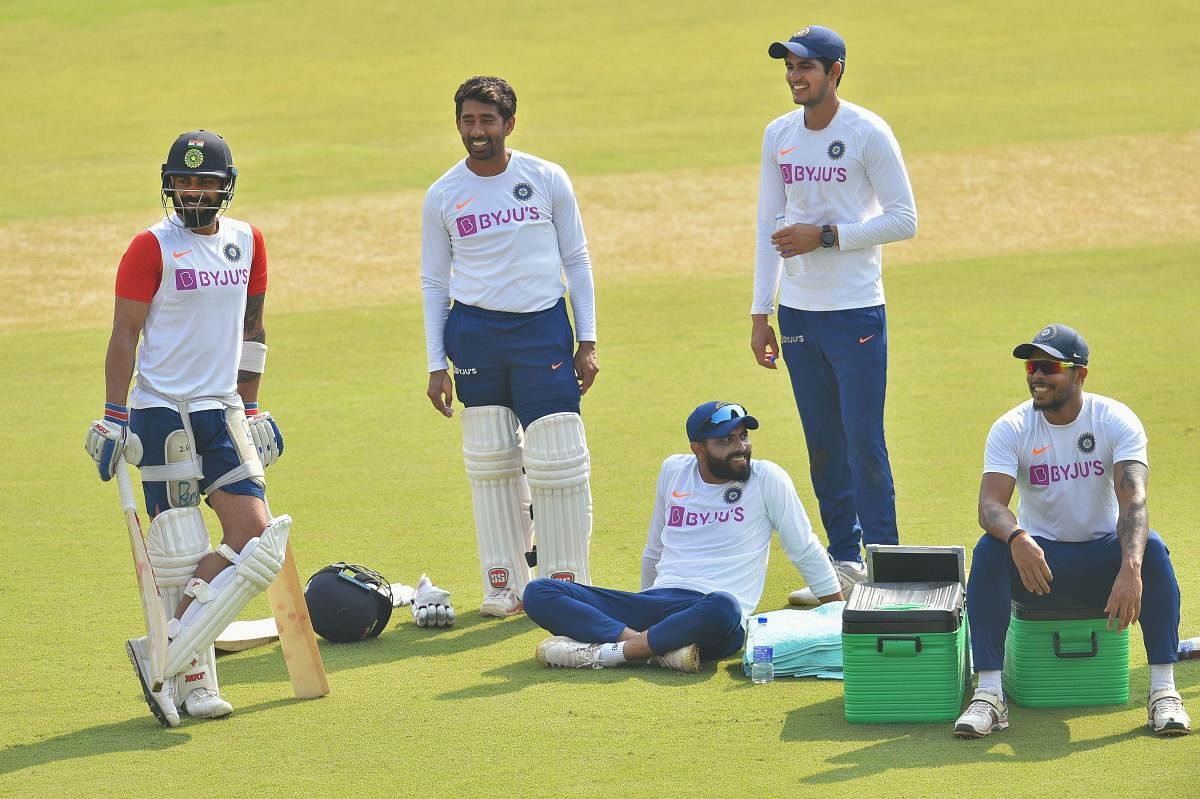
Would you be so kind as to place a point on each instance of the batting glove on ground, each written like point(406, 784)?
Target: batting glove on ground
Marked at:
point(431, 605)
point(264, 432)
point(108, 439)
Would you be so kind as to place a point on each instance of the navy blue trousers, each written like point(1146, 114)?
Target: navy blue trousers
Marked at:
point(671, 617)
point(837, 362)
point(1083, 577)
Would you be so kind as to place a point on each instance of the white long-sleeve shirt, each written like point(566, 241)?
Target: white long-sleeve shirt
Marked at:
point(851, 175)
point(716, 537)
point(504, 243)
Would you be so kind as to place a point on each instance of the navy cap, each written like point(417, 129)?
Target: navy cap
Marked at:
point(715, 419)
point(1058, 340)
point(811, 42)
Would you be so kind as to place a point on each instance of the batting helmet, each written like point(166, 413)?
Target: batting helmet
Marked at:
point(203, 153)
point(347, 602)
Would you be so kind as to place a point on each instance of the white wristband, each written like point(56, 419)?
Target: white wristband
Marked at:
point(254, 357)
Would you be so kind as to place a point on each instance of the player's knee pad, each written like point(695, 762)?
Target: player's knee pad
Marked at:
point(250, 466)
point(176, 543)
point(218, 603)
point(492, 453)
point(559, 471)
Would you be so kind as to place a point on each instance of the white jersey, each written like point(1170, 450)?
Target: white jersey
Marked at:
point(708, 537)
point(849, 174)
point(1064, 473)
point(503, 243)
point(197, 287)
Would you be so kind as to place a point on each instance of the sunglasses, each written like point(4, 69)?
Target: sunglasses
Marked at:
point(724, 414)
point(1048, 367)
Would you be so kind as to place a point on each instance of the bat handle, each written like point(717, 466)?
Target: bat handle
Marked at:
point(124, 485)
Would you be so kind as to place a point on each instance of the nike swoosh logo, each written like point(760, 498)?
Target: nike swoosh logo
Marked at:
point(556, 365)
point(1040, 450)
point(786, 150)
point(179, 254)
point(463, 204)
point(864, 340)
point(681, 494)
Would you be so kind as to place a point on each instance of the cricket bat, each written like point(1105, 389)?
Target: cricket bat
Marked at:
point(152, 607)
point(296, 637)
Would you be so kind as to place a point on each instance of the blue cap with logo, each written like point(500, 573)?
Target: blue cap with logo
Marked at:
point(1060, 341)
point(715, 419)
point(811, 42)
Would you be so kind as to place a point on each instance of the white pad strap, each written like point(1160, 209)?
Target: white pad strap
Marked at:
point(492, 451)
point(559, 470)
point(254, 357)
point(231, 590)
point(243, 443)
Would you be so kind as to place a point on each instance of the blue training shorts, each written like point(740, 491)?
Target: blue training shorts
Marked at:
point(523, 361)
point(159, 428)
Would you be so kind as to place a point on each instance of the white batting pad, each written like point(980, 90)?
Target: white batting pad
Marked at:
point(176, 542)
point(230, 591)
point(492, 451)
point(558, 467)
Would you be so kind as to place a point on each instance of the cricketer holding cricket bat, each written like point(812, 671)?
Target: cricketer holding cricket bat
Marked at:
point(192, 289)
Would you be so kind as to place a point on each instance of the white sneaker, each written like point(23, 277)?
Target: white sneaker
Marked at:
point(850, 573)
point(161, 703)
point(986, 714)
point(685, 659)
point(205, 703)
point(501, 602)
point(561, 652)
point(1165, 714)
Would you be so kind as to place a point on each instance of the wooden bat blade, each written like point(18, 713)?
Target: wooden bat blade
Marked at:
point(296, 637)
point(152, 606)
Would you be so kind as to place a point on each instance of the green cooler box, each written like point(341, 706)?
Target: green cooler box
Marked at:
point(904, 641)
point(1065, 657)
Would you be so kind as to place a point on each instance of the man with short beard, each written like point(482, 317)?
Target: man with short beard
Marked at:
point(704, 564)
point(1080, 537)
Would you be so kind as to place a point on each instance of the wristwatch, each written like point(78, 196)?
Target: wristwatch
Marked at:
point(827, 239)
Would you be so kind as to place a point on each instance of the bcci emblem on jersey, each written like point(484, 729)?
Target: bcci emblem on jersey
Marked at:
point(836, 149)
point(233, 253)
point(1086, 443)
point(522, 191)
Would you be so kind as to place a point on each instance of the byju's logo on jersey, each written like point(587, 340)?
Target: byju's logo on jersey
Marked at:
point(192, 279)
point(679, 516)
point(470, 224)
point(1043, 474)
point(799, 173)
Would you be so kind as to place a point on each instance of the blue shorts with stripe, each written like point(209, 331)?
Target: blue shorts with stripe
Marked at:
point(523, 361)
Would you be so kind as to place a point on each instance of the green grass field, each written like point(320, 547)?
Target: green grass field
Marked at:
point(1055, 157)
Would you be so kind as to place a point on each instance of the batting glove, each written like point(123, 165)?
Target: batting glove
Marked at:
point(264, 432)
point(108, 439)
point(431, 605)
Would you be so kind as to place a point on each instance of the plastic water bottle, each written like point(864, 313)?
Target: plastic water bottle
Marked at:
point(1189, 648)
point(793, 265)
point(762, 662)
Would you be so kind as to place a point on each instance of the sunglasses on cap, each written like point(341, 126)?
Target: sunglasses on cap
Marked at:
point(1048, 367)
point(724, 414)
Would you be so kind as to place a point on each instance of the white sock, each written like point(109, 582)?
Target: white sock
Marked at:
point(612, 654)
point(1162, 677)
point(989, 680)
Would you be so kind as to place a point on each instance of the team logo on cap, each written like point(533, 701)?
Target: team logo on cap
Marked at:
point(193, 158)
point(1086, 443)
point(1047, 333)
point(233, 253)
point(732, 494)
point(800, 34)
point(522, 191)
point(836, 149)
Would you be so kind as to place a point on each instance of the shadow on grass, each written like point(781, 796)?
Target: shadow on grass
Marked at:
point(402, 641)
point(141, 734)
point(1036, 735)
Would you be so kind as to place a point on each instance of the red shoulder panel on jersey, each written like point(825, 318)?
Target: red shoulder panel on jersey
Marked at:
point(140, 271)
point(258, 265)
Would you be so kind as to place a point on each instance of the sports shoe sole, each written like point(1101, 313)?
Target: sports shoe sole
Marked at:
point(158, 712)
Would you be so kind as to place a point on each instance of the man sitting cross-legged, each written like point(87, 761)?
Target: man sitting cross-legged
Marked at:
point(704, 564)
